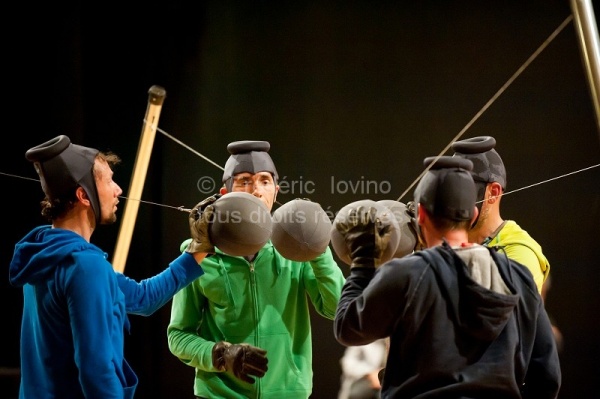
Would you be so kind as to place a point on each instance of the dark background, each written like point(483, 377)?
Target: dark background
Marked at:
point(352, 95)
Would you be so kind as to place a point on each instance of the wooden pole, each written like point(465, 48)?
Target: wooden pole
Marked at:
point(587, 30)
point(156, 96)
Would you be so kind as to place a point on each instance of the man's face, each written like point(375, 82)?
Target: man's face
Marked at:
point(108, 192)
point(481, 223)
point(260, 185)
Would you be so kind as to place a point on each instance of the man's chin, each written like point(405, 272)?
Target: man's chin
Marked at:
point(269, 206)
point(110, 220)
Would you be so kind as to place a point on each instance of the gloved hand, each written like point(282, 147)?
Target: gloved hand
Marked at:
point(243, 360)
point(411, 211)
point(199, 219)
point(365, 235)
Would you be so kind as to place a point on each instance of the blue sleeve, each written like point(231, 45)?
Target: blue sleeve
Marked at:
point(149, 295)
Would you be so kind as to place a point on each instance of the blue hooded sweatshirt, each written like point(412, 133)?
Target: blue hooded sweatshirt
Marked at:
point(75, 314)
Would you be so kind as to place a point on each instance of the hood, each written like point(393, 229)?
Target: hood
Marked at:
point(479, 311)
point(513, 234)
point(41, 251)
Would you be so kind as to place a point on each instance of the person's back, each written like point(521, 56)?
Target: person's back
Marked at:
point(463, 319)
point(475, 342)
point(57, 283)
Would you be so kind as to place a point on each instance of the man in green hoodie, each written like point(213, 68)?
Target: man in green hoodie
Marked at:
point(247, 309)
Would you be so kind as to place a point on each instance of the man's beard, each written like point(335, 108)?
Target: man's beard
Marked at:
point(109, 220)
point(481, 220)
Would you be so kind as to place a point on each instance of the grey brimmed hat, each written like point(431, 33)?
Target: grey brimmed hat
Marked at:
point(248, 156)
point(447, 189)
point(487, 163)
point(62, 166)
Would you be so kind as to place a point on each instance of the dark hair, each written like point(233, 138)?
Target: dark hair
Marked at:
point(445, 224)
point(54, 209)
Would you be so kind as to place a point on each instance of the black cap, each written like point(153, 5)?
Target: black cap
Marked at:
point(248, 156)
point(447, 189)
point(487, 163)
point(63, 166)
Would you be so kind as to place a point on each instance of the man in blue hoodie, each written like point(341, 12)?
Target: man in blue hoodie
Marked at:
point(463, 319)
point(75, 304)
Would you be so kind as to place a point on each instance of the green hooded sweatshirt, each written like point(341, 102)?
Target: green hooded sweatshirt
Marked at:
point(263, 303)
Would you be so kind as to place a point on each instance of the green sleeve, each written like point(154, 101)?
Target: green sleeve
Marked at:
point(186, 317)
point(324, 281)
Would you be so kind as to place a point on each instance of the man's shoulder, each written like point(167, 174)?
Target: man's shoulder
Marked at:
point(513, 233)
point(411, 263)
point(513, 270)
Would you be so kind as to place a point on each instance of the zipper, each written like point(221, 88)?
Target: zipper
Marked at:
point(256, 318)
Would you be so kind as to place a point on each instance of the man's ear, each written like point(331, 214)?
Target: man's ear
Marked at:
point(495, 192)
point(421, 214)
point(223, 190)
point(82, 196)
point(475, 215)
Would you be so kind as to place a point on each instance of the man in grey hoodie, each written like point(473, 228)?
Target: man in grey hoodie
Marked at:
point(464, 321)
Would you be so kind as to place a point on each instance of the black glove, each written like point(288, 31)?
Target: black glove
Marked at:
point(411, 211)
point(200, 219)
point(243, 360)
point(365, 236)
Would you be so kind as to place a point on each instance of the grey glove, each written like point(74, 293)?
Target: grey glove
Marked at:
point(200, 219)
point(411, 211)
point(365, 236)
point(243, 360)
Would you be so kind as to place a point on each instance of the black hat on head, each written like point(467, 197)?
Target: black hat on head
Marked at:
point(447, 189)
point(248, 156)
point(487, 164)
point(63, 166)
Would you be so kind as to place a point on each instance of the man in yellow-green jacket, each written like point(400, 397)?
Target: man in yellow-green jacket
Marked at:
point(489, 228)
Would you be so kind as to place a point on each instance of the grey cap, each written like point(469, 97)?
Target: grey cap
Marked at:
point(63, 166)
point(447, 189)
point(248, 156)
point(487, 163)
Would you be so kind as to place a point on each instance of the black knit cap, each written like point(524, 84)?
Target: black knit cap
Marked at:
point(447, 189)
point(63, 166)
point(248, 156)
point(487, 163)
